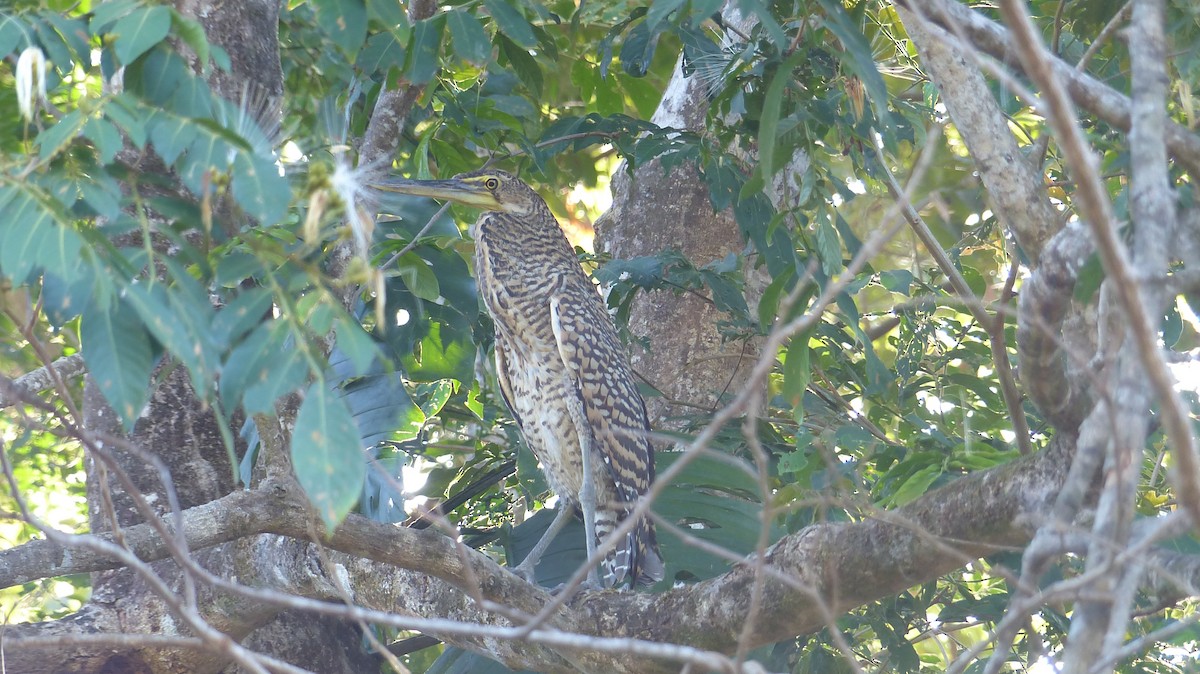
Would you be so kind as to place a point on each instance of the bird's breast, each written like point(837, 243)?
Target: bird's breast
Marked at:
point(517, 275)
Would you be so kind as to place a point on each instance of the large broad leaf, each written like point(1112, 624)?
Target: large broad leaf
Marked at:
point(511, 23)
point(34, 237)
point(326, 454)
point(471, 43)
point(345, 21)
point(379, 403)
point(712, 498)
point(715, 500)
point(423, 50)
point(180, 322)
point(117, 349)
point(258, 187)
point(288, 374)
point(138, 32)
point(62, 301)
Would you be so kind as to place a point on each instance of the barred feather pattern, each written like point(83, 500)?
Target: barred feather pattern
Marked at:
point(564, 374)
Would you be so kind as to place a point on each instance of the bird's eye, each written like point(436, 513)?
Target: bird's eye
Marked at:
point(491, 183)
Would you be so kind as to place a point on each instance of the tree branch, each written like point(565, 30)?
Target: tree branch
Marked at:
point(40, 379)
point(823, 568)
point(1013, 182)
point(1087, 92)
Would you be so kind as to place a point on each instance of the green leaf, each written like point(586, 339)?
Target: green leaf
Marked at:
point(170, 135)
point(1172, 327)
point(511, 22)
point(471, 43)
point(768, 124)
point(793, 462)
point(829, 248)
point(235, 267)
point(326, 455)
point(1089, 278)
point(717, 500)
point(284, 372)
point(102, 193)
point(104, 137)
point(638, 49)
point(797, 372)
point(915, 486)
point(158, 76)
point(12, 34)
point(180, 326)
point(58, 52)
point(423, 50)
point(346, 23)
point(235, 319)
point(382, 408)
point(862, 61)
point(605, 47)
point(356, 344)
point(60, 135)
point(138, 32)
point(418, 276)
point(33, 237)
point(104, 14)
point(440, 358)
point(767, 19)
point(262, 368)
point(726, 294)
point(434, 395)
point(250, 361)
point(259, 189)
point(127, 113)
point(389, 13)
point(382, 52)
point(208, 152)
point(897, 280)
point(660, 10)
point(117, 350)
point(74, 34)
point(63, 301)
point(523, 64)
point(192, 33)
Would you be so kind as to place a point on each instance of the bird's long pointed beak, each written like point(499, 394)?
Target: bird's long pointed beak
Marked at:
point(459, 191)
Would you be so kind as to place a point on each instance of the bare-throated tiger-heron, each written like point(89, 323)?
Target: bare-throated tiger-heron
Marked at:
point(562, 369)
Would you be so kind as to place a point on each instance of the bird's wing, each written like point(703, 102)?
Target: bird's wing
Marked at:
point(614, 421)
point(615, 414)
point(506, 389)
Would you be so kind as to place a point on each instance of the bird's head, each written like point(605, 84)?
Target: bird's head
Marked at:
point(488, 189)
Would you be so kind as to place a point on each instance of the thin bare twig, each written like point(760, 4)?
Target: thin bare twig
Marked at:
point(1097, 209)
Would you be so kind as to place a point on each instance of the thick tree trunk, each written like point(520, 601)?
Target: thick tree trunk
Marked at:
point(653, 211)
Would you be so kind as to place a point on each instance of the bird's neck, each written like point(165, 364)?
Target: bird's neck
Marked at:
point(520, 243)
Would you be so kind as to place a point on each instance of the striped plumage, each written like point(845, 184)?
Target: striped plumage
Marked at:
point(561, 367)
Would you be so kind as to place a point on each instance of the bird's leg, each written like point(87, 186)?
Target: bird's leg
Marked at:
point(525, 568)
point(587, 503)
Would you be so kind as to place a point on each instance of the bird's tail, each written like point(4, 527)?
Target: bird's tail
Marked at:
point(637, 559)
